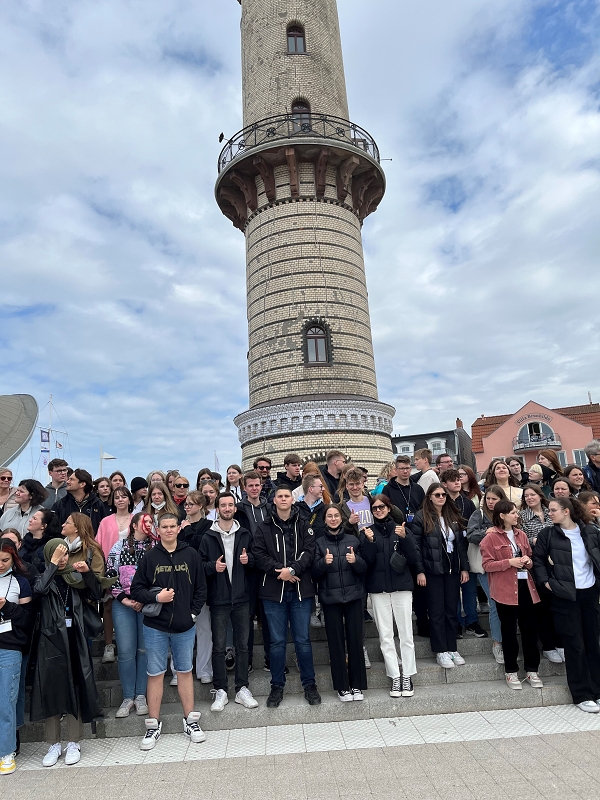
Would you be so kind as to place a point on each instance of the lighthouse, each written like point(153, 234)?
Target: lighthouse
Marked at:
point(299, 180)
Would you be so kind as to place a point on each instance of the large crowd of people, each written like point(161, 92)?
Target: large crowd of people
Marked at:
point(178, 575)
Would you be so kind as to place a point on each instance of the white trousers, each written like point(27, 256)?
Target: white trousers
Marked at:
point(387, 607)
point(204, 644)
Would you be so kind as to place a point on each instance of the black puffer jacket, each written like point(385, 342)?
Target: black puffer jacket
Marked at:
point(338, 582)
point(432, 549)
point(380, 575)
point(193, 533)
point(553, 559)
point(93, 507)
point(32, 550)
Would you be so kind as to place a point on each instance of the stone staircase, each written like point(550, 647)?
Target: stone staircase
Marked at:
point(477, 686)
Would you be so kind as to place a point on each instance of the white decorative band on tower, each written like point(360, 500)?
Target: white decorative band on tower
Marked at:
point(314, 416)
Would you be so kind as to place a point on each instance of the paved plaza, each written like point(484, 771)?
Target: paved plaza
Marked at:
point(551, 752)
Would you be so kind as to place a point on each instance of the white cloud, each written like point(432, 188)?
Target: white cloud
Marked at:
point(124, 287)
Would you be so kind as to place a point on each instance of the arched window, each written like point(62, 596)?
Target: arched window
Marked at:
point(296, 41)
point(316, 345)
point(301, 116)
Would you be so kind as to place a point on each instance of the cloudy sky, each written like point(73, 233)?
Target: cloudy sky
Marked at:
point(123, 288)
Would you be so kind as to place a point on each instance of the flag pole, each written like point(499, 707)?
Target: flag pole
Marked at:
point(101, 460)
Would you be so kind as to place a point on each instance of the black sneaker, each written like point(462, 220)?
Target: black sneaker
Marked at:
point(275, 697)
point(229, 659)
point(476, 630)
point(312, 695)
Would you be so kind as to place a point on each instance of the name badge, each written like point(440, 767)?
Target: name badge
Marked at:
point(68, 622)
point(522, 574)
point(6, 626)
point(410, 517)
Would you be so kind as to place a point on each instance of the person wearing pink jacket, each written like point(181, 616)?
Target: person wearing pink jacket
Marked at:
point(111, 530)
point(506, 557)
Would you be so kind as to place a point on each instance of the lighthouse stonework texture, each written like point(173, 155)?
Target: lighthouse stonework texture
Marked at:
point(299, 180)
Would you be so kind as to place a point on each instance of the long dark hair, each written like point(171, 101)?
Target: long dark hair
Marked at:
point(473, 490)
point(533, 488)
point(496, 490)
point(131, 535)
point(8, 546)
point(450, 513)
point(490, 476)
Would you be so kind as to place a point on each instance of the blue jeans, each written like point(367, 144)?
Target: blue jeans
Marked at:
point(10, 676)
point(21, 698)
point(157, 650)
point(494, 618)
point(297, 613)
point(469, 602)
point(132, 664)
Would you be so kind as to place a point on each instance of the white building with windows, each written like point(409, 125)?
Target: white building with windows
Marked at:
point(456, 442)
point(534, 427)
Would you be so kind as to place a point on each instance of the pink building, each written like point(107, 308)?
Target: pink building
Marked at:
point(533, 428)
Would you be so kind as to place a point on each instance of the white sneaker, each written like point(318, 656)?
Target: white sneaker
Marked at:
point(512, 680)
point(534, 680)
point(561, 652)
point(108, 656)
point(357, 694)
point(345, 697)
point(173, 681)
point(72, 754)
point(367, 659)
point(153, 730)
point(141, 706)
point(52, 756)
point(125, 708)
point(498, 652)
point(206, 679)
point(457, 658)
point(315, 621)
point(589, 706)
point(553, 656)
point(220, 700)
point(244, 698)
point(396, 690)
point(192, 729)
point(444, 660)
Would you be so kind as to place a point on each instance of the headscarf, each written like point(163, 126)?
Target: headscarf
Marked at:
point(68, 574)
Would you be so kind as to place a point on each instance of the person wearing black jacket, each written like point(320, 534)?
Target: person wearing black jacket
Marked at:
point(64, 675)
point(407, 495)
point(391, 591)
point(42, 527)
point(438, 531)
point(80, 499)
point(312, 508)
point(292, 465)
point(172, 575)
point(227, 558)
point(284, 550)
point(566, 560)
point(339, 569)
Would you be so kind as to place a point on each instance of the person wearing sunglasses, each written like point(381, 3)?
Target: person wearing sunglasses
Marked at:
point(7, 492)
point(439, 533)
point(181, 488)
point(391, 591)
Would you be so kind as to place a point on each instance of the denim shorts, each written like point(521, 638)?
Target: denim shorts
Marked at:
point(158, 644)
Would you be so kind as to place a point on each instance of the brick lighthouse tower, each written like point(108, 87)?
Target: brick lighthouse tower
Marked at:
point(299, 180)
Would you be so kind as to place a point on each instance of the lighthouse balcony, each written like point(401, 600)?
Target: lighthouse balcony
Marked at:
point(295, 128)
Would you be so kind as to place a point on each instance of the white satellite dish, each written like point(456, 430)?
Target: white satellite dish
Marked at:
point(18, 418)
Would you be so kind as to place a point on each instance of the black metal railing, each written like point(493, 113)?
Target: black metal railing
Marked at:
point(536, 442)
point(297, 127)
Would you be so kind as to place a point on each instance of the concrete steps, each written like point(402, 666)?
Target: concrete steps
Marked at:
point(477, 686)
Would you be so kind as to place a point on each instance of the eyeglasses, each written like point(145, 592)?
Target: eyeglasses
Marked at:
point(182, 485)
point(438, 494)
point(378, 508)
point(189, 505)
